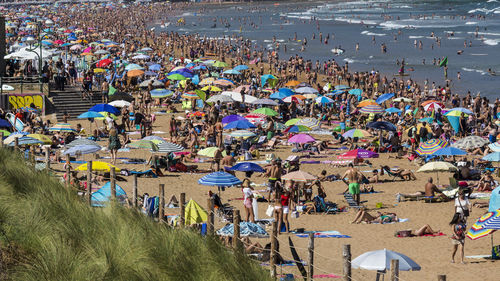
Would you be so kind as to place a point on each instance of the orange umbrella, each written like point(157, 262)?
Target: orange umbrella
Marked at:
point(135, 73)
point(367, 102)
point(292, 83)
point(430, 101)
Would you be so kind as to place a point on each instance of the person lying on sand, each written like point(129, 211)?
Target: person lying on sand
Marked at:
point(430, 191)
point(364, 216)
point(403, 173)
point(424, 230)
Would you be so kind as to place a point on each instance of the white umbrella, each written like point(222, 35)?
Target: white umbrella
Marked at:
point(437, 166)
point(237, 96)
point(381, 260)
point(470, 142)
point(220, 98)
point(119, 103)
point(306, 90)
point(265, 102)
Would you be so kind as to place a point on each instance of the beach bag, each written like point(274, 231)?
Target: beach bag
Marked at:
point(495, 252)
point(295, 214)
point(270, 210)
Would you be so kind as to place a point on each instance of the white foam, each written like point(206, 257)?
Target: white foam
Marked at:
point(482, 72)
point(368, 33)
point(349, 60)
point(478, 54)
point(471, 22)
point(491, 42)
point(415, 37)
point(485, 33)
point(356, 21)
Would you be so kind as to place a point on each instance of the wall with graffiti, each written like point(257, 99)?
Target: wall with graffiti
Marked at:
point(26, 100)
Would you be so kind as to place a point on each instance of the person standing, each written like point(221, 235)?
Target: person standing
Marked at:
point(458, 228)
point(114, 144)
point(247, 200)
point(353, 175)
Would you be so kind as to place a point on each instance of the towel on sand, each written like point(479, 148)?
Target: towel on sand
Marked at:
point(426, 235)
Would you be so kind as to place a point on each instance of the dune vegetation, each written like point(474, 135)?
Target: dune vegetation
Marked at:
point(48, 233)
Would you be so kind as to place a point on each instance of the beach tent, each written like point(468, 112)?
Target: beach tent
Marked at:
point(494, 200)
point(102, 196)
point(194, 213)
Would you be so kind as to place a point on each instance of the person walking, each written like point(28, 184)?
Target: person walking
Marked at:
point(114, 144)
point(458, 228)
point(353, 175)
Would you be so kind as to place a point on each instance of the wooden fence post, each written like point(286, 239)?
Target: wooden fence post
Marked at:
point(394, 270)
point(346, 254)
point(16, 144)
point(134, 192)
point(112, 183)
point(68, 171)
point(441, 277)
point(1, 139)
point(310, 272)
point(47, 158)
point(89, 182)
point(274, 244)
point(32, 155)
point(161, 209)
point(182, 220)
point(236, 230)
point(210, 223)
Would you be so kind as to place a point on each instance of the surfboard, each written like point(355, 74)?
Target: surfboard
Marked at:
point(19, 126)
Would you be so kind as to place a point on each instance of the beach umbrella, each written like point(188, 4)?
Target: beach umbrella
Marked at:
point(297, 129)
point(339, 129)
point(119, 103)
point(454, 113)
point(237, 97)
point(292, 83)
point(43, 138)
point(301, 138)
point(176, 77)
point(393, 110)
point(247, 167)
point(292, 121)
point(479, 230)
point(382, 125)
point(90, 114)
point(476, 232)
point(133, 66)
point(437, 166)
point(495, 147)
point(494, 199)
point(310, 96)
point(135, 73)
point(470, 142)
point(103, 195)
point(279, 95)
point(449, 151)
point(299, 176)
point(384, 98)
point(82, 141)
point(272, 80)
point(5, 133)
point(219, 64)
point(240, 124)
point(210, 152)
point(248, 229)
point(381, 260)
point(367, 102)
point(256, 118)
point(160, 93)
point(356, 92)
point(312, 123)
point(266, 111)
point(144, 144)
point(155, 139)
point(242, 134)
point(492, 157)
point(461, 109)
point(232, 71)
point(356, 133)
point(62, 127)
point(306, 90)
point(358, 153)
point(324, 100)
point(223, 82)
point(433, 106)
point(401, 99)
point(168, 147)
point(82, 149)
point(102, 107)
point(371, 109)
point(431, 146)
point(211, 89)
point(140, 57)
point(240, 67)
point(220, 98)
point(264, 102)
point(207, 81)
point(428, 120)
point(21, 140)
point(194, 213)
point(232, 118)
point(219, 179)
point(190, 95)
point(98, 166)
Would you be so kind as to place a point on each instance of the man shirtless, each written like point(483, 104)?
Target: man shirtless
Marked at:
point(274, 174)
point(353, 175)
point(430, 191)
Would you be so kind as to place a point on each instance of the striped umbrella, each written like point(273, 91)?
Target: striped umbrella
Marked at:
point(190, 95)
point(495, 147)
point(297, 129)
point(367, 102)
point(371, 109)
point(312, 123)
point(324, 100)
point(82, 149)
point(220, 98)
point(43, 138)
point(144, 144)
point(223, 83)
point(356, 133)
point(470, 142)
point(242, 134)
point(160, 93)
point(167, 147)
point(256, 118)
point(480, 229)
point(433, 106)
point(62, 127)
point(431, 146)
point(476, 232)
point(81, 142)
point(219, 179)
point(25, 140)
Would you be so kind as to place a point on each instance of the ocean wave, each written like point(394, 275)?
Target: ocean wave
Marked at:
point(485, 33)
point(368, 33)
point(471, 22)
point(491, 42)
point(478, 54)
point(356, 21)
point(482, 72)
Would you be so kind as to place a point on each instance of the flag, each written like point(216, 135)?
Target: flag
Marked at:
point(111, 90)
point(444, 62)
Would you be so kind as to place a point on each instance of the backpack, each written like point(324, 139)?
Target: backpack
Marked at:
point(410, 132)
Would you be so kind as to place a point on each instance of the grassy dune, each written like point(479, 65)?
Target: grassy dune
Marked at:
point(47, 233)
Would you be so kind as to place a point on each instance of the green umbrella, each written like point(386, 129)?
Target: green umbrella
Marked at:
point(145, 144)
point(5, 133)
point(265, 111)
point(176, 77)
point(219, 64)
point(292, 122)
point(338, 129)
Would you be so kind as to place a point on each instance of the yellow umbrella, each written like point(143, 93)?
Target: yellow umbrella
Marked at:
point(99, 70)
point(106, 114)
point(367, 102)
point(135, 73)
point(210, 152)
point(211, 88)
point(98, 166)
point(43, 138)
point(207, 81)
point(194, 213)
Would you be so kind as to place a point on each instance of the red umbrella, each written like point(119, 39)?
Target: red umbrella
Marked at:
point(358, 153)
point(59, 42)
point(104, 63)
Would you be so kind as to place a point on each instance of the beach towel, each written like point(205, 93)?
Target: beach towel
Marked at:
point(399, 220)
point(144, 173)
point(426, 235)
point(318, 235)
point(285, 263)
point(480, 195)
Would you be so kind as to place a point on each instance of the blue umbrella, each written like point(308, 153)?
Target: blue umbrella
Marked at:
point(199, 67)
point(384, 97)
point(232, 118)
point(241, 67)
point(279, 95)
point(90, 114)
point(219, 179)
point(247, 167)
point(82, 149)
point(449, 151)
point(324, 100)
point(461, 109)
point(154, 67)
point(4, 123)
point(286, 91)
point(25, 140)
point(103, 195)
point(343, 87)
point(240, 124)
point(382, 125)
point(494, 200)
point(232, 71)
point(103, 107)
point(493, 157)
point(150, 73)
point(246, 229)
point(393, 110)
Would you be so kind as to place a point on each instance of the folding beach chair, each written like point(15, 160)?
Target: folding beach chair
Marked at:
point(392, 174)
point(325, 207)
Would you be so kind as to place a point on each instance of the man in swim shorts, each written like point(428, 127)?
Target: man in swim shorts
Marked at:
point(353, 175)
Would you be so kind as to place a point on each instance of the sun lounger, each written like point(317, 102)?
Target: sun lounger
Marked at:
point(350, 200)
point(393, 175)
